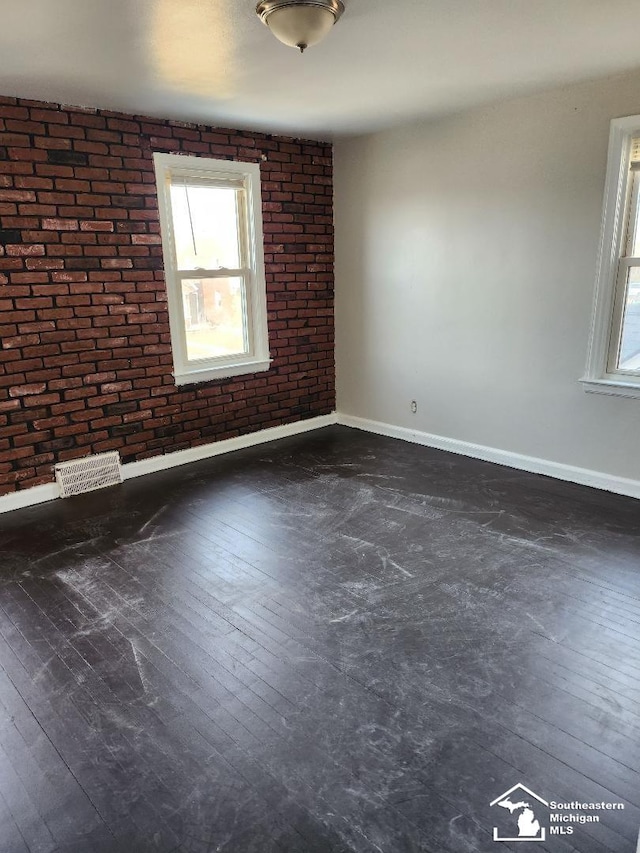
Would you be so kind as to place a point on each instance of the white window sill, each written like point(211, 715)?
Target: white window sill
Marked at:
point(207, 374)
point(612, 387)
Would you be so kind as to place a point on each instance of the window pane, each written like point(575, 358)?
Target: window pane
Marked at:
point(633, 247)
point(205, 225)
point(215, 317)
point(629, 356)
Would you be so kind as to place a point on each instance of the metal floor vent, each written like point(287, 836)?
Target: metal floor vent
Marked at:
point(88, 474)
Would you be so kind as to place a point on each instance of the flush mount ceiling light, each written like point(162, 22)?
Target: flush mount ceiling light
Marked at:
point(300, 23)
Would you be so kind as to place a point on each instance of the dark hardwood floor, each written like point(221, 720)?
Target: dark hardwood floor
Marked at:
point(338, 642)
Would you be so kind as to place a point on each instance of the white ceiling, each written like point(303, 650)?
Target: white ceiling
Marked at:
point(386, 61)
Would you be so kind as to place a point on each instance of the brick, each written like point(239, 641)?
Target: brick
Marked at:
point(91, 147)
point(68, 276)
point(117, 263)
point(56, 198)
point(10, 290)
point(128, 201)
point(25, 249)
point(60, 224)
point(83, 264)
point(40, 236)
point(146, 239)
point(34, 155)
point(96, 225)
point(86, 118)
point(20, 341)
point(55, 171)
point(52, 142)
point(10, 235)
point(115, 387)
point(11, 263)
point(50, 423)
point(41, 326)
point(17, 195)
point(44, 263)
point(50, 115)
point(73, 185)
point(67, 158)
point(42, 400)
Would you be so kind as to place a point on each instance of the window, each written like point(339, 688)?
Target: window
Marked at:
point(211, 222)
point(613, 365)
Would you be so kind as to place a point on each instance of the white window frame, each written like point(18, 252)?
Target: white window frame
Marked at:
point(169, 167)
point(601, 375)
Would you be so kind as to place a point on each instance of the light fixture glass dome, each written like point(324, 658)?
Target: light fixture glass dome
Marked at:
point(300, 23)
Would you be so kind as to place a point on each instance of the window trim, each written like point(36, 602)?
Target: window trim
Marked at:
point(257, 359)
point(599, 378)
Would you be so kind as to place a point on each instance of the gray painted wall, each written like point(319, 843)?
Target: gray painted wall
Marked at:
point(466, 258)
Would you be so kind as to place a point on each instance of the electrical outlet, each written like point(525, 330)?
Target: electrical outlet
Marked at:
point(414, 406)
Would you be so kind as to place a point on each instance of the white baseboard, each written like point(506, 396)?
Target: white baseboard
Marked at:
point(50, 491)
point(532, 464)
point(29, 497)
point(206, 451)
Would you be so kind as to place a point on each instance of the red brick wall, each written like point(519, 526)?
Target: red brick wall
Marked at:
point(85, 357)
